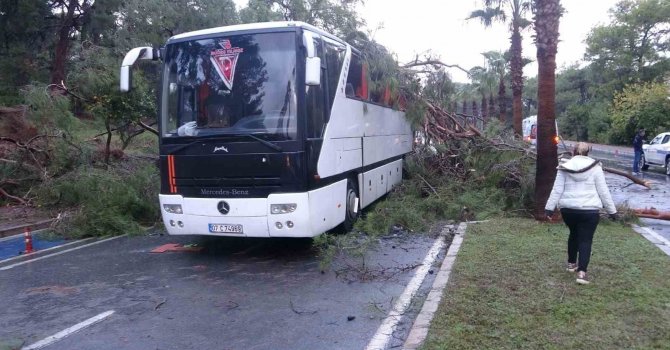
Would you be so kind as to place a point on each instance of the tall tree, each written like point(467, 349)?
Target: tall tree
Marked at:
point(633, 48)
point(336, 16)
point(69, 14)
point(514, 10)
point(547, 18)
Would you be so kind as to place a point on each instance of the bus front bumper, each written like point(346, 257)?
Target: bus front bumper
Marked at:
point(202, 216)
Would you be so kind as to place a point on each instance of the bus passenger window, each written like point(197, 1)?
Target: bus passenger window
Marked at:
point(357, 78)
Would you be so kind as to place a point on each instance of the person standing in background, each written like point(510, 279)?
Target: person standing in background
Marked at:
point(638, 141)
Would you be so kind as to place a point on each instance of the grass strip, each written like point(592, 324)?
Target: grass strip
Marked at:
point(509, 290)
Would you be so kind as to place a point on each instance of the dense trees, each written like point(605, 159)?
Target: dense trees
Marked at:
point(626, 54)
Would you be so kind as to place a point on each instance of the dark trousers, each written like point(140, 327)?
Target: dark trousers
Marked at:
point(582, 225)
point(636, 161)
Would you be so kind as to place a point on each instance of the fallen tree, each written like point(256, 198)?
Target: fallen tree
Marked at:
point(652, 213)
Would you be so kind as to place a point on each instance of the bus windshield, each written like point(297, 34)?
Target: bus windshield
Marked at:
point(239, 84)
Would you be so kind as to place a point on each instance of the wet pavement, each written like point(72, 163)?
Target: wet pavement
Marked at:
point(222, 293)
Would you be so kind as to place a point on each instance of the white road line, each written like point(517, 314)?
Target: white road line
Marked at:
point(661, 242)
point(385, 331)
point(419, 330)
point(68, 331)
point(38, 252)
point(657, 236)
point(4, 268)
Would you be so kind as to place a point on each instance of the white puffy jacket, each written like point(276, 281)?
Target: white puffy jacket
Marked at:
point(580, 184)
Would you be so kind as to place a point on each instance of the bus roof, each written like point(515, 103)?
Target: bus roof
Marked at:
point(252, 27)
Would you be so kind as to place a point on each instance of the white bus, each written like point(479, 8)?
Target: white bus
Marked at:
point(269, 130)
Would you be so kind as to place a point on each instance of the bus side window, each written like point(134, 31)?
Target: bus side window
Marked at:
point(334, 62)
point(316, 111)
point(357, 79)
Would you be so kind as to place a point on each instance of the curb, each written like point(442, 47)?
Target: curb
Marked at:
point(12, 230)
point(417, 335)
point(653, 237)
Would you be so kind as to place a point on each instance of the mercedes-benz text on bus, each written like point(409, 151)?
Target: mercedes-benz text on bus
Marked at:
point(269, 130)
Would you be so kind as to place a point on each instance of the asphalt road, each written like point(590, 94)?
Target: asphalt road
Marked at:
point(231, 294)
point(635, 196)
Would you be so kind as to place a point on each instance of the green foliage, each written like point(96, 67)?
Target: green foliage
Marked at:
point(495, 182)
point(105, 202)
point(640, 105)
point(50, 113)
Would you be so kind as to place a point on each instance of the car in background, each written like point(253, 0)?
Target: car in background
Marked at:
point(657, 153)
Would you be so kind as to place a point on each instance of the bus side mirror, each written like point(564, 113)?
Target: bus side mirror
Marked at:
point(138, 53)
point(313, 71)
point(126, 79)
point(312, 63)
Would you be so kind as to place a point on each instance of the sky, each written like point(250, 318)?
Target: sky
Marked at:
point(414, 27)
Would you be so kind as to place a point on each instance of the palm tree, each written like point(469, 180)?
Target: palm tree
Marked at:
point(496, 64)
point(501, 10)
point(485, 79)
point(547, 17)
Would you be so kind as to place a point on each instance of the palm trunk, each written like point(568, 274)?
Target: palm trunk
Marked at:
point(484, 109)
point(502, 105)
point(516, 70)
point(546, 26)
point(492, 106)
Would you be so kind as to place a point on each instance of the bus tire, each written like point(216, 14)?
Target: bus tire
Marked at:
point(351, 214)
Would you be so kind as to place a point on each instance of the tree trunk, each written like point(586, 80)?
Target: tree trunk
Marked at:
point(108, 144)
point(464, 107)
point(547, 16)
point(502, 104)
point(516, 70)
point(492, 106)
point(63, 44)
point(484, 109)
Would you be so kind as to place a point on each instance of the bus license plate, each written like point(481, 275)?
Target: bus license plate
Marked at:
point(225, 228)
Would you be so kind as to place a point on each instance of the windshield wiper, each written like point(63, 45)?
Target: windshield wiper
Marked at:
point(265, 142)
point(220, 138)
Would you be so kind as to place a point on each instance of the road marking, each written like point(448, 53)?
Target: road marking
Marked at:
point(68, 331)
point(38, 252)
point(4, 268)
point(663, 244)
point(420, 327)
point(385, 331)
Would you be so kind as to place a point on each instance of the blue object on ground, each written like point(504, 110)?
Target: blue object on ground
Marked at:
point(15, 246)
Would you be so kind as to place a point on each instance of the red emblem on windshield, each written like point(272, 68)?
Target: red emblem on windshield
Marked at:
point(225, 61)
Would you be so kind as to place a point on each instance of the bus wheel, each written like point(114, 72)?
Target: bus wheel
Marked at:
point(351, 212)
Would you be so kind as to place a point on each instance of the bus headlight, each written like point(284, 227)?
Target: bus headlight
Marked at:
point(283, 208)
point(173, 208)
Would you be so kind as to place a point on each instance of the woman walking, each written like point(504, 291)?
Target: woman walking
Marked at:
point(580, 191)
